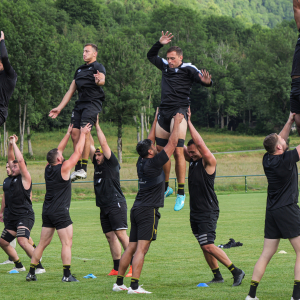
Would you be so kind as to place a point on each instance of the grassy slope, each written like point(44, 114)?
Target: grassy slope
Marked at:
point(174, 264)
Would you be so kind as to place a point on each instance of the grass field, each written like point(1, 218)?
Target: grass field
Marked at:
point(174, 265)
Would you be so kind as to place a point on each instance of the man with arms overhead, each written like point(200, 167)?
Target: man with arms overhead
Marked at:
point(176, 85)
point(88, 80)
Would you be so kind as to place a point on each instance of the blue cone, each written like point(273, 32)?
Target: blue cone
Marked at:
point(90, 276)
point(202, 285)
point(13, 272)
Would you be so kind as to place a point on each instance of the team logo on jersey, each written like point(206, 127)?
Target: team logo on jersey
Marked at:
point(90, 68)
point(15, 179)
point(176, 70)
point(191, 163)
point(99, 179)
point(79, 70)
point(196, 164)
point(20, 223)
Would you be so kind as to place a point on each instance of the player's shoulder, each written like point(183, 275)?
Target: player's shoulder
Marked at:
point(189, 66)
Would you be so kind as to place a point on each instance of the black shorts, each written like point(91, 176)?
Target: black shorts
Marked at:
point(3, 116)
point(27, 221)
point(144, 222)
point(114, 217)
point(283, 222)
point(56, 221)
point(204, 228)
point(164, 119)
point(84, 113)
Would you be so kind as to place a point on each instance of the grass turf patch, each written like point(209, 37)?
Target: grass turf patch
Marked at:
point(174, 264)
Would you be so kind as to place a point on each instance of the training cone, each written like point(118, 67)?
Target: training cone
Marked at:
point(202, 285)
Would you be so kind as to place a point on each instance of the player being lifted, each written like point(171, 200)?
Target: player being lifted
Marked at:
point(176, 84)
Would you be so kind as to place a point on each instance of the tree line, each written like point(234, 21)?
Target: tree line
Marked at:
point(250, 64)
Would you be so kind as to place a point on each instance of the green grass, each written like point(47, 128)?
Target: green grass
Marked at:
point(174, 264)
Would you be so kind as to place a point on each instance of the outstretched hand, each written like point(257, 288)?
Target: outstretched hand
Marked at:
point(86, 129)
point(70, 128)
point(165, 38)
point(1, 36)
point(54, 112)
point(205, 77)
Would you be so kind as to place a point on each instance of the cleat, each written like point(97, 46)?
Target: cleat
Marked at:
point(168, 192)
point(69, 279)
point(113, 272)
point(31, 277)
point(73, 176)
point(249, 298)
point(129, 274)
point(81, 174)
point(179, 204)
point(119, 288)
point(40, 271)
point(7, 262)
point(140, 290)
point(237, 280)
point(18, 269)
point(216, 280)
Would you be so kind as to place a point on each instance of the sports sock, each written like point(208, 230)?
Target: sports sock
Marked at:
point(166, 185)
point(217, 273)
point(253, 287)
point(18, 264)
point(78, 165)
point(233, 269)
point(34, 245)
point(67, 271)
point(32, 268)
point(10, 259)
point(134, 283)
point(296, 291)
point(120, 280)
point(180, 190)
point(84, 164)
point(39, 265)
point(116, 264)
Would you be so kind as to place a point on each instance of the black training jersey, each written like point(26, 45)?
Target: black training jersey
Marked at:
point(8, 80)
point(282, 175)
point(107, 182)
point(6, 185)
point(58, 192)
point(87, 89)
point(150, 170)
point(201, 187)
point(17, 199)
point(296, 60)
point(176, 83)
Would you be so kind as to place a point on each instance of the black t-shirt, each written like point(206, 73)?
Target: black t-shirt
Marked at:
point(107, 182)
point(8, 80)
point(152, 196)
point(6, 185)
point(296, 59)
point(282, 175)
point(87, 89)
point(17, 199)
point(58, 192)
point(176, 83)
point(201, 187)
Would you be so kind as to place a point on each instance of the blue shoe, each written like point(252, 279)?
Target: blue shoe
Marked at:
point(168, 192)
point(179, 204)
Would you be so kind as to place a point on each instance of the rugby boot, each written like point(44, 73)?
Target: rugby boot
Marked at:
point(113, 272)
point(7, 262)
point(179, 204)
point(18, 269)
point(119, 288)
point(168, 192)
point(250, 298)
point(69, 279)
point(31, 277)
point(140, 290)
point(216, 280)
point(73, 176)
point(237, 280)
point(40, 271)
point(81, 174)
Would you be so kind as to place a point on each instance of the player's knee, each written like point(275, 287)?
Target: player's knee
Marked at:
point(6, 238)
point(178, 153)
point(208, 247)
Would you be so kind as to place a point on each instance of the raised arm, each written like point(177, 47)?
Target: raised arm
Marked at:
point(56, 111)
point(296, 7)
point(92, 148)
point(173, 139)
point(26, 178)
point(62, 145)
point(72, 161)
point(4, 58)
point(151, 135)
point(102, 140)
point(10, 155)
point(285, 132)
point(210, 161)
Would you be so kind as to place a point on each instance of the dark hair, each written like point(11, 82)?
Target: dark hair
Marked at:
point(51, 156)
point(16, 162)
point(92, 45)
point(176, 49)
point(270, 143)
point(142, 147)
point(190, 142)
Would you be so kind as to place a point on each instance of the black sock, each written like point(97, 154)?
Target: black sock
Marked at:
point(67, 271)
point(217, 273)
point(134, 283)
point(78, 165)
point(296, 291)
point(10, 259)
point(180, 190)
point(32, 269)
point(116, 264)
point(18, 264)
point(233, 269)
point(34, 245)
point(120, 280)
point(39, 265)
point(253, 287)
point(84, 164)
point(166, 185)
